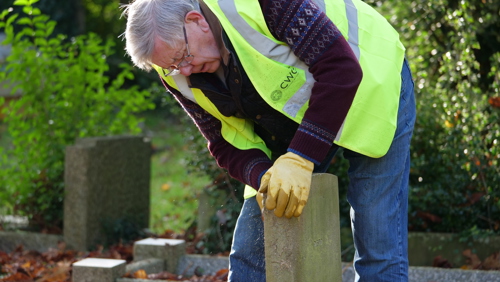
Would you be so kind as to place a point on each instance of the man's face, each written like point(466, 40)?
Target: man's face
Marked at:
point(202, 46)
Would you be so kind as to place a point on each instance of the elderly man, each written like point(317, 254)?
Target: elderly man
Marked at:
point(276, 87)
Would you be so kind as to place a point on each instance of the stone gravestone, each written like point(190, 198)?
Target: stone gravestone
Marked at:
point(6, 92)
point(306, 248)
point(106, 187)
point(208, 205)
point(4, 49)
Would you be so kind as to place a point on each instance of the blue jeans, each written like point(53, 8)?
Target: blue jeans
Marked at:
point(378, 195)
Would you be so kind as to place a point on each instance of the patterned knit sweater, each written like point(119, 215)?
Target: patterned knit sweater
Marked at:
point(315, 40)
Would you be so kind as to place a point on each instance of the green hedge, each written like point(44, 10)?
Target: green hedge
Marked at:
point(454, 50)
point(66, 94)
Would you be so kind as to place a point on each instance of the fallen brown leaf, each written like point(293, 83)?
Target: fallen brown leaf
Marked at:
point(4, 257)
point(472, 259)
point(140, 274)
point(59, 273)
point(492, 262)
point(222, 274)
point(439, 261)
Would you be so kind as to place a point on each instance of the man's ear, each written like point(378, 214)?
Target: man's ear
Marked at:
point(198, 18)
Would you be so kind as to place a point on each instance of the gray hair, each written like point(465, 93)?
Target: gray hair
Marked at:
point(148, 20)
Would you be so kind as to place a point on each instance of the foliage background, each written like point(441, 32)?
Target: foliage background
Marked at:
point(453, 48)
point(102, 17)
point(66, 94)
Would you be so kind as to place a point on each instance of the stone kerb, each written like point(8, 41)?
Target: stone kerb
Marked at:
point(10, 240)
point(306, 248)
point(106, 184)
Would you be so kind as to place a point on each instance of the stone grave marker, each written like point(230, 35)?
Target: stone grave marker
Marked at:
point(306, 248)
point(106, 187)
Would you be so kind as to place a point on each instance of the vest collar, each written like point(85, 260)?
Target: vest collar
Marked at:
point(216, 28)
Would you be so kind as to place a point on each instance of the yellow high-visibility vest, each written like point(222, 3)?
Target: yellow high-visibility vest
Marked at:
point(285, 83)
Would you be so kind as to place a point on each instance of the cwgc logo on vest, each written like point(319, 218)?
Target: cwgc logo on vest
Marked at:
point(276, 95)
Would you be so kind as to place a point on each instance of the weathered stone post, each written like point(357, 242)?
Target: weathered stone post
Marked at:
point(307, 248)
point(106, 184)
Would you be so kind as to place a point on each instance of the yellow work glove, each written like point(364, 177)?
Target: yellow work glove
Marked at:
point(287, 184)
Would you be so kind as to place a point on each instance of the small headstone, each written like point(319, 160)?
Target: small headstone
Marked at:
point(306, 248)
point(106, 189)
point(98, 270)
point(171, 250)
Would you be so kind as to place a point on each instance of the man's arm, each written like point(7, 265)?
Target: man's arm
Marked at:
point(247, 166)
point(314, 38)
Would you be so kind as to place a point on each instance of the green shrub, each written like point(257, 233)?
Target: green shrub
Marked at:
point(66, 94)
point(454, 51)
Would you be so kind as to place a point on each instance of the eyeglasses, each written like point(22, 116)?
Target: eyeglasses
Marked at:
point(186, 60)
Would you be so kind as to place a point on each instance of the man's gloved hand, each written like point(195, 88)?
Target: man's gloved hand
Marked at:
point(287, 184)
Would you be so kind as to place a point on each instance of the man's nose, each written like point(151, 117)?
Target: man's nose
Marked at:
point(186, 70)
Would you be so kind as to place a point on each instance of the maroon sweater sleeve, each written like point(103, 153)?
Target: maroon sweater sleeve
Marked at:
point(316, 40)
point(247, 166)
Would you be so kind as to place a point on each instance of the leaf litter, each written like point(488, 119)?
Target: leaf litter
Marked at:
point(55, 265)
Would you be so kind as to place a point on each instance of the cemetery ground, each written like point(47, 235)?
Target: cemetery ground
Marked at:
point(173, 211)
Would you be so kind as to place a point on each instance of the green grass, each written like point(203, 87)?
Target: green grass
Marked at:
point(173, 191)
